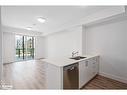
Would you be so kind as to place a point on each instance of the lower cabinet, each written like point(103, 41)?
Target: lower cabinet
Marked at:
point(95, 66)
point(55, 74)
point(83, 73)
point(87, 70)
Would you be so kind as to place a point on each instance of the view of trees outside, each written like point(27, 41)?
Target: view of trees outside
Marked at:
point(24, 47)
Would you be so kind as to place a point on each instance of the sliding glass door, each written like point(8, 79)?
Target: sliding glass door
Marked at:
point(24, 47)
point(19, 47)
point(29, 48)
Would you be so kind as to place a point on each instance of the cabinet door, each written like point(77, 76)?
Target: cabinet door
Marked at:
point(82, 73)
point(87, 70)
point(95, 66)
point(90, 69)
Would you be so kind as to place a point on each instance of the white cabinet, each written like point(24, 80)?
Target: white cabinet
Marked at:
point(95, 65)
point(87, 70)
point(83, 68)
point(54, 76)
point(92, 67)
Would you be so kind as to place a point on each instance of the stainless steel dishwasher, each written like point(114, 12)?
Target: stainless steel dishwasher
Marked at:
point(71, 76)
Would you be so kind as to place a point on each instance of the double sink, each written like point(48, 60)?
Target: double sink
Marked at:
point(77, 57)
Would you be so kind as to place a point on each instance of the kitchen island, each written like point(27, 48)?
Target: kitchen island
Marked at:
point(86, 69)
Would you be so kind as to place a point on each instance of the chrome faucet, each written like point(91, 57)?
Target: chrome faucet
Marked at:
point(74, 53)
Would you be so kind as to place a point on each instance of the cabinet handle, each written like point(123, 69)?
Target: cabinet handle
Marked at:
point(72, 68)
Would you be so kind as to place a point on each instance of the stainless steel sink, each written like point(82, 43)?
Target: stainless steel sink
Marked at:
point(78, 57)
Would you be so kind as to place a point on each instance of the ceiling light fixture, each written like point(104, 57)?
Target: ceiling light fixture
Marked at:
point(41, 19)
point(29, 28)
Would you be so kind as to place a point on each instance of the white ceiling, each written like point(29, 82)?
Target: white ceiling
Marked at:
point(56, 16)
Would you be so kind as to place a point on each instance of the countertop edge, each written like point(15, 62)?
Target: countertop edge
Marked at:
point(67, 60)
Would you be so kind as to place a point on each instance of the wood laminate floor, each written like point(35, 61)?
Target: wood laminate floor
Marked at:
point(101, 82)
point(31, 75)
point(25, 75)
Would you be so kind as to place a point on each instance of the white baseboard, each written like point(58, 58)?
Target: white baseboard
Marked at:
point(113, 77)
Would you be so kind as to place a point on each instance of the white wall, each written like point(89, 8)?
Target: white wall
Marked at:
point(9, 43)
point(8, 47)
point(110, 41)
point(63, 43)
point(40, 47)
point(0, 48)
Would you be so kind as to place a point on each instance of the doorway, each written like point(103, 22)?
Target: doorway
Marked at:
point(25, 47)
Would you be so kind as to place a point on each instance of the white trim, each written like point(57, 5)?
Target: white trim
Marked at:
point(113, 77)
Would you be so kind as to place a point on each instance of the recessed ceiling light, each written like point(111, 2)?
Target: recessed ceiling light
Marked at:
point(41, 19)
point(29, 28)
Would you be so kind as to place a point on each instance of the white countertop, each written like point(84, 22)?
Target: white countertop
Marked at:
point(64, 61)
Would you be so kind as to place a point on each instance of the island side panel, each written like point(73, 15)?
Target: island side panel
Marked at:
point(54, 76)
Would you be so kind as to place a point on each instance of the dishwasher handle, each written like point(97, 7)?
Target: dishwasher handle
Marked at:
point(71, 67)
